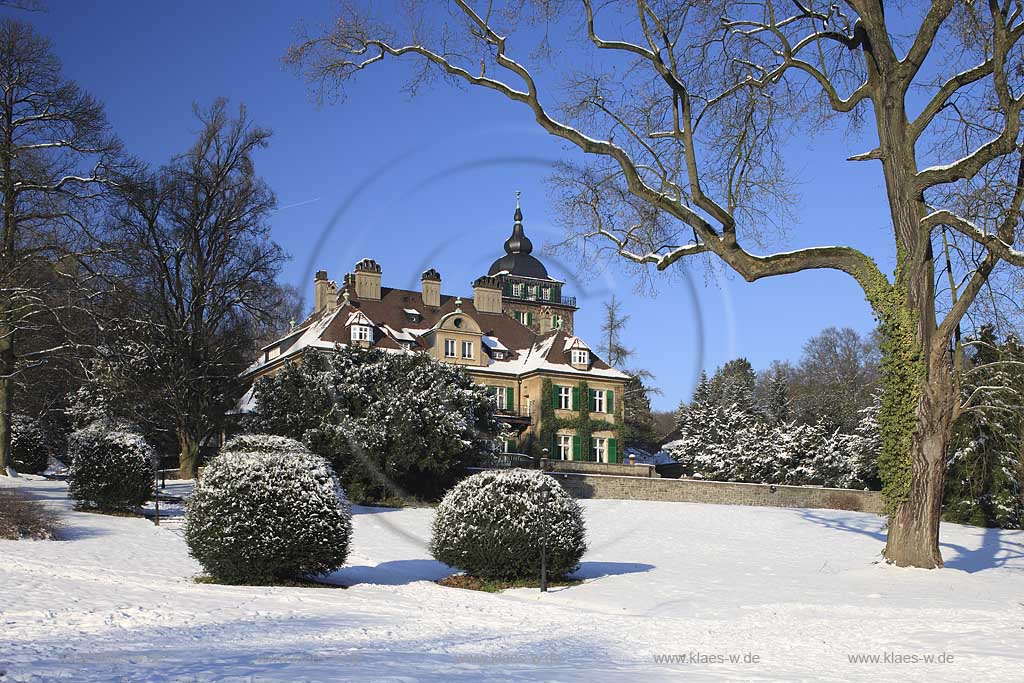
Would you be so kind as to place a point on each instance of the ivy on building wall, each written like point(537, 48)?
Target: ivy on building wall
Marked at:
point(583, 425)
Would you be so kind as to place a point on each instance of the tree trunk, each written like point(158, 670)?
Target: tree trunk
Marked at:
point(6, 389)
point(913, 538)
point(188, 455)
point(5, 425)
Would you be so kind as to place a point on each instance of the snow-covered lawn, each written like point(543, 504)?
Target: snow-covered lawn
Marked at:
point(799, 590)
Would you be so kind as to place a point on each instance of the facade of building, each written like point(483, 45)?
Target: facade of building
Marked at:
point(513, 336)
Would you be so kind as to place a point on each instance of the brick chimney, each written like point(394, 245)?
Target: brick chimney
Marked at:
point(326, 292)
point(431, 282)
point(368, 279)
point(487, 294)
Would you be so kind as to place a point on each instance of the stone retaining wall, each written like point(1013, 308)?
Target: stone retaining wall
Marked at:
point(726, 493)
point(620, 469)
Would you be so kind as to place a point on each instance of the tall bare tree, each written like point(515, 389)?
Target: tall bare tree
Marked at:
point(195, 249)
point(56, 152)
point(683, 109)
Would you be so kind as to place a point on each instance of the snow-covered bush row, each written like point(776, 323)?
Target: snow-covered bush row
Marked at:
point(110, 469)
point(267, 509)
point(727, 444)
point(492, 525)
point(31, 444)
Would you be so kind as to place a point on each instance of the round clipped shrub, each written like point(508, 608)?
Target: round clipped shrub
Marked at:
point(110, 469)
point(31, 445)
point(491, 526)
point(267, 509)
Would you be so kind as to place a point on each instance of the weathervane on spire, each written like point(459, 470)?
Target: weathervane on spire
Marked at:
point(517, 198)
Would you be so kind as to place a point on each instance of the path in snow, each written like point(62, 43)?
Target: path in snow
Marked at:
point(799, 589)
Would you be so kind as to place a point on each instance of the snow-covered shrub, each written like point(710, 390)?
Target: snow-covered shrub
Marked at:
point(267, 509)
point(491, 525)
point(110, 469)
point(31, 444)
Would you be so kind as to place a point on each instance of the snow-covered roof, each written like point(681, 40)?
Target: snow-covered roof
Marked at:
point(493, 343)
point(574, 343)
point(535, 359)
point(399, 335)
point(358, 318)
point(412, 311)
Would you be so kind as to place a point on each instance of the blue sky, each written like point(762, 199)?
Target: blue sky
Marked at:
point(431, 181)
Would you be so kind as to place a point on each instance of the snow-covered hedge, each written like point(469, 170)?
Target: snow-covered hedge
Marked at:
point(110, 469)
point(491, 525)
point(728, 444)
point(31, 445)
point(265, 509)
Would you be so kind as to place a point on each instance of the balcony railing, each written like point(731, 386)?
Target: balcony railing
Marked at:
point(557, 300)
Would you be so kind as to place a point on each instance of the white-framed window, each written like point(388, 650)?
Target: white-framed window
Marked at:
point(546, 293)
point(564, 447)
point(517, 289)
point(449, 348)
point(467, 349)
point(565, 398)
point(599, 449)
point(361, 333)
point(599, 404)
point(532, 289)
point(580, 357)
point(274, 352)
point(500, 397)
point(556, 322)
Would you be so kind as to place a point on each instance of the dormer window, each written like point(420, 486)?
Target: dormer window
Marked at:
point(517, 289)
point(580, 357)
point(361, 333)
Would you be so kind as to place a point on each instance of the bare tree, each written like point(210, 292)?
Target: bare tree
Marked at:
point(55, 154)
point(196, 254)
point(683, 110)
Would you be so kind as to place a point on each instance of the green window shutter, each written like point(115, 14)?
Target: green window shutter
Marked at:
point(593, 400)
point(609, 400)
point(575, 398)
point(576, 448)
point(555, 392)
point(613, 451)
point(529, 318)
point(509, 396)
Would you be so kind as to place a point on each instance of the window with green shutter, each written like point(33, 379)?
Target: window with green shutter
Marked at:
point(575, 398)
point(510, 398)
point(610, 399)
point(576, 448)
point(556, 392)
point(613, 450)
point(593, 400)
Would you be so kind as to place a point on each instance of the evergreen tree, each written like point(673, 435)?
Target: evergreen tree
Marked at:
point(772, 393)
point(391, 424)
point(733, 385)
point(638, 420)
point(984, 484)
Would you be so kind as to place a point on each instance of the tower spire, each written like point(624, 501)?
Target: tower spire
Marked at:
point(518, 243)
